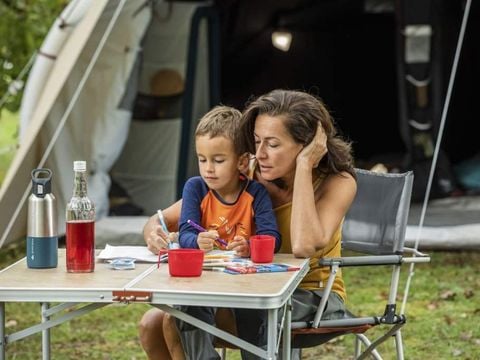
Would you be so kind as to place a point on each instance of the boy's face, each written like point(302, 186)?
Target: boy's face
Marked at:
point(218, 163)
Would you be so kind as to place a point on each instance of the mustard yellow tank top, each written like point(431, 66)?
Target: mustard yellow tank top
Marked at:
point(317, 277)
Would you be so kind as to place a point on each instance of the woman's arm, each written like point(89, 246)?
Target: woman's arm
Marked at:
point(153, 234)
point(316, 216)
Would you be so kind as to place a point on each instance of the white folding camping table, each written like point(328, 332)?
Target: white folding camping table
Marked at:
point(147, 284)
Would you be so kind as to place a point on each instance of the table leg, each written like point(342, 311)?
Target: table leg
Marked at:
point(2, 331)
point(272, 333)
point(286, 348)
point(45, 333)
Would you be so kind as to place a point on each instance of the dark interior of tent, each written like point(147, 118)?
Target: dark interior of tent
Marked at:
point(346, 52)
point(359, 57)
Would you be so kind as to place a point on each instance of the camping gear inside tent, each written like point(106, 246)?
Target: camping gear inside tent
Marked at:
point(112, 50)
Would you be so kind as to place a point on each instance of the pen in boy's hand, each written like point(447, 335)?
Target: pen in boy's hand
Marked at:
point(201, 229)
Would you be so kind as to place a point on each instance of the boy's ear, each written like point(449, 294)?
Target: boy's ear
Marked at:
point(243, 163)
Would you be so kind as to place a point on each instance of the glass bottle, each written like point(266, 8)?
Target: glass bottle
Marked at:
point(80, 217)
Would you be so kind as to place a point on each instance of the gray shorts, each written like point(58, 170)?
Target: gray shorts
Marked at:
point(252, 324)
point(305, 304)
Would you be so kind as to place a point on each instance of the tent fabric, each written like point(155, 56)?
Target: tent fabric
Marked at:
point(450, 223)
point(16, 185)
point(52, 45)
point(98, 127)
point(120, 230)
point(148, 164)
point(445, 237)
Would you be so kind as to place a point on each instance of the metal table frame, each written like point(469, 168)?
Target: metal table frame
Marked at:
point(146, 284)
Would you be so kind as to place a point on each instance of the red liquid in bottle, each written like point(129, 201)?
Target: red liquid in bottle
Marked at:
point(80, 245)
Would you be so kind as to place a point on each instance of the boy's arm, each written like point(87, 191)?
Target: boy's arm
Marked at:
point(264, 217)
point(192, 197)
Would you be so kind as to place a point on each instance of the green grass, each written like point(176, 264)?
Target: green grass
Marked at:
point(442, 311)
point(442, 316)
point(8, 140)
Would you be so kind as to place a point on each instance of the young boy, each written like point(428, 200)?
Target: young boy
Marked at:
point(230, 207)
point(222, 200)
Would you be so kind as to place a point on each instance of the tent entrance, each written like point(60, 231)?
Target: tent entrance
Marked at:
point(177, 83)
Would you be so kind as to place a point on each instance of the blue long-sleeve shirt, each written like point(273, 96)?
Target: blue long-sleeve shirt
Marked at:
point(250, 214)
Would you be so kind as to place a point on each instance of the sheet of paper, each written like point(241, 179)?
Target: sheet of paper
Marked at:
point(140, 253)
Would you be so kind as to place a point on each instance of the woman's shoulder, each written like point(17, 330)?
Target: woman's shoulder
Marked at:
point(343, 176)
point(341, 181)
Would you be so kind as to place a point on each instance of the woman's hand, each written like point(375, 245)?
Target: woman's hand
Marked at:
point(315, 151)
point(206, 240)
point(157, 239)
point(240, 245)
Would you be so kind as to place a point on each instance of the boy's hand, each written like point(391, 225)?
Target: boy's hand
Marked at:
point(206, 240)
point(240, 245)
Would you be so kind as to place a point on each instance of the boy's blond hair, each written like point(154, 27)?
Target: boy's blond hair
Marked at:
point(222, 121)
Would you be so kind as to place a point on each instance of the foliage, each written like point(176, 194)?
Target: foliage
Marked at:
point(8, 140)
point(442, 312)
point(23, 27)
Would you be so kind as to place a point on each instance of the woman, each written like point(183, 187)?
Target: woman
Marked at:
point(308, 171)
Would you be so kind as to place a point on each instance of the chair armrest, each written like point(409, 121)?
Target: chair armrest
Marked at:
point(418, 257)
point(414, 252)
point(362, 260)
point(373, 260)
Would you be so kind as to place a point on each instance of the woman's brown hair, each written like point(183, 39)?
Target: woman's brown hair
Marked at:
point(301, 113)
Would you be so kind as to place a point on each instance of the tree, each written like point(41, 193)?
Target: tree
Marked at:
point(23, 26)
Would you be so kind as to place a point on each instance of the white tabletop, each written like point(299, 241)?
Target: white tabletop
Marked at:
point(265, 290)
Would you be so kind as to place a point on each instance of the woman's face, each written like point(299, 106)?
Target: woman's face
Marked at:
point(276, 151)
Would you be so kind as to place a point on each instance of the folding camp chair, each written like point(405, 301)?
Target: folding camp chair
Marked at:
point(374, 225)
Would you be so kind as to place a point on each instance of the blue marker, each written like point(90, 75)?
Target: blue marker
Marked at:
point(171, 245)
point(162, 221)
point(201, 229)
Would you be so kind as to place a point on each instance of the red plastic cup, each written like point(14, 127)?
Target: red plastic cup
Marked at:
point(185, 262)
point(262, 248)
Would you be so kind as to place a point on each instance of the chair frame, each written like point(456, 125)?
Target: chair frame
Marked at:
point(393, 254)
point(395, 258)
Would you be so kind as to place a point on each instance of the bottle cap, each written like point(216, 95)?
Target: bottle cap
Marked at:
point(80, 166)
point(41, 182)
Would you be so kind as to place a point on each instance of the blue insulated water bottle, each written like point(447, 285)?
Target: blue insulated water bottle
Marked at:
point(42, 233)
